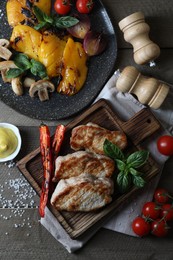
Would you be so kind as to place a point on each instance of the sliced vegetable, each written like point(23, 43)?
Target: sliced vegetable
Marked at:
point(94, 43)
point(74, 68)
point(26, 40)
point(20, 11)
point(42, 89)
point(41, 47)
point(46, 154)
point(81, 28)
point(52, 46)
point(58, 139)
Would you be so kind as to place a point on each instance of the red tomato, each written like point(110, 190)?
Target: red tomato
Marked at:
point(62, 6)
point(167, 212)
point(141, 227)
point(84, 6)
point(161, 195)
point(159, 228)
point(151, 210)
point(165, 145)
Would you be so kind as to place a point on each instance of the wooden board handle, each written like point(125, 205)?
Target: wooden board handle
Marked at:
point(140, 126)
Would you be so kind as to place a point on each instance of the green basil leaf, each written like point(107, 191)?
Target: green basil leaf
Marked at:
point(138, 181)
point(38, 69)
point(65, 21)
point(40, 26)
point(22, 61)
point(137, 159)
point(13, 73)
point(113, 150)
point(120, 165)
point(123, 181)
point(40, 15)
point(134, 172)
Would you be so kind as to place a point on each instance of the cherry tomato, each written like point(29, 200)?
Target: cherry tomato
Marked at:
point(159, 228)
point(161, 195)
point(165, 145)
point(62, 6)
point(141, 227)
point(167, 212)
point(84, 6)
point(151, 210)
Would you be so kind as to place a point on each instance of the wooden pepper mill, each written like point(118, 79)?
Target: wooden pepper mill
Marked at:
point(136, 32)
point(149, 91)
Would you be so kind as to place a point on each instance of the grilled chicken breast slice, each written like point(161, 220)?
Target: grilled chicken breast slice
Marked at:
point(91, 137)
point(79, 162)
point(82, 193)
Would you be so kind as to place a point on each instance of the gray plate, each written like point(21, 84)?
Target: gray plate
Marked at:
point(61, 106)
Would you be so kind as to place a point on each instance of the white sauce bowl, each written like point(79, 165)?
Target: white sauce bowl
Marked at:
point(17, 133)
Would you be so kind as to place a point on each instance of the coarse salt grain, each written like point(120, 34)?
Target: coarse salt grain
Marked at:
point(23, 199)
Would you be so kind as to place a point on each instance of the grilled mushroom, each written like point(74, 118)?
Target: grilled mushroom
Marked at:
point(28, 82)
point(4, 67)
point(4, 43)
point(17, 87)
point(41, 87)
point(5, 53)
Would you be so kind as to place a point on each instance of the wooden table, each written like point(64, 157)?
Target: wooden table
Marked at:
point(21, 235)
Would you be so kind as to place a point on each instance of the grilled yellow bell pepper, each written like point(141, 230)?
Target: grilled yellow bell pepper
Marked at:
point(51, 52)
point(20, 11)
point(27, 40)
point(46, 48)
point(74, 70)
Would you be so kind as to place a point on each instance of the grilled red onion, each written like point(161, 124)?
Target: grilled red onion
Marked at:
point(94, 43)
point(81, 28)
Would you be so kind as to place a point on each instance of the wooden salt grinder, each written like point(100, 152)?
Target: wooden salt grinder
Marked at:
point(136, 32)
point(149, 91)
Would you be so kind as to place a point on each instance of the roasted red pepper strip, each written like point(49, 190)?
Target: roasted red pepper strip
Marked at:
point(57, 140)
point(46, 154)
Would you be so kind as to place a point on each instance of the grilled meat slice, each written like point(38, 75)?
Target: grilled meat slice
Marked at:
point(79, 162)
point(91, 138)
point(82, 193)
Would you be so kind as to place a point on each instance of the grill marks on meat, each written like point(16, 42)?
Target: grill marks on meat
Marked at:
point(91, 138)
point(84, 177)
point(79, 162)
point(82, 193)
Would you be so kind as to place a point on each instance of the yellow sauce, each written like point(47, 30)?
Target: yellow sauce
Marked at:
point(8, 142)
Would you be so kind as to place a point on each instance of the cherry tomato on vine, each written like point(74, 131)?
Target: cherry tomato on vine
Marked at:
point(62, 6)
point(161, 195)
point(84, 6)
point(151, 210)
point(141, 227)
point(165, 145)
point(159, 228)
point(167, 212)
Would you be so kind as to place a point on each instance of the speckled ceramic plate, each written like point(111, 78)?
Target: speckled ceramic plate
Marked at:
point(61, 106)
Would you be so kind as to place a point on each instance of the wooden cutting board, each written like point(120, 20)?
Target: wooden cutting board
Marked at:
point(139, 127)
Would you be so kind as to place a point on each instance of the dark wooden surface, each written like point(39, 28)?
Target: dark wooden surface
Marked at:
point(31, 240)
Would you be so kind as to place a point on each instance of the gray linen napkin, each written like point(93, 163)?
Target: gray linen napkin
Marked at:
point(126, 106)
